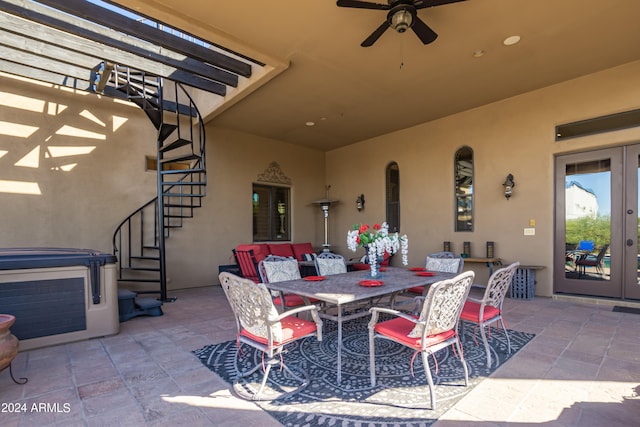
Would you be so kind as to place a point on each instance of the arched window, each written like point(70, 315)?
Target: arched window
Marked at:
point(393, 196)
point(463, 170)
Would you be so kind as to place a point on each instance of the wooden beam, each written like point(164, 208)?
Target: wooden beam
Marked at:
point(78, 44)
point(47, 51)
point(36, 61)
point(42, 75)
point(156, 36)
point(108, 40)
point(92, 31)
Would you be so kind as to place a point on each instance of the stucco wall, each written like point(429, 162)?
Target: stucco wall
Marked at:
point(72, 165)
point(511, 136)
point(80, 206)
point(234, 162)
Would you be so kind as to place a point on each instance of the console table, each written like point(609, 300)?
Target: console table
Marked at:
point(490, 262)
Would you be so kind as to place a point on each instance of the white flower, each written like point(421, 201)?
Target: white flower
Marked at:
point(377, 242)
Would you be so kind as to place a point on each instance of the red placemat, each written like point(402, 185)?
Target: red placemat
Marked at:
point(425, 273)
point(371, 283)
point(417, 269)
point(313, 278)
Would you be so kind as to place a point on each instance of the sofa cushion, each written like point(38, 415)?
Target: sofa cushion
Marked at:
point(302, 249)
point(281, 249)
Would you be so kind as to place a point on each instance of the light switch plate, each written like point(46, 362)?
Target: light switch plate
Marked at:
point(529, 231)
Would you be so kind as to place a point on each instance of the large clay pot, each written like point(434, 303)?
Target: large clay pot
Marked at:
point(8, 342)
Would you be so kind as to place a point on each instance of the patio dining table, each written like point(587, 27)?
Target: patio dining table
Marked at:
point(340, 290)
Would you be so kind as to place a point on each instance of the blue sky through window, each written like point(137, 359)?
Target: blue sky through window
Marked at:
point(600, 184)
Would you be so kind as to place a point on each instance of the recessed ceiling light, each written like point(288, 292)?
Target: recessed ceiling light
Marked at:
point(478, 53)
point(310, 124)
point(510, 41)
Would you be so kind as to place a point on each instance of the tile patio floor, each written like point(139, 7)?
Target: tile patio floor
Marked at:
point(582, 369)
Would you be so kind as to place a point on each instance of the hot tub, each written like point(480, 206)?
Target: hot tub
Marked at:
point(58, 295)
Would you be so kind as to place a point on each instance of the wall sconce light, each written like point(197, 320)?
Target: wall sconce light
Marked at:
point(508, 186)
point(360, 202)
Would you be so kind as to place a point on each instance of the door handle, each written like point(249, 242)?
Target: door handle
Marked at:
point(629, 242)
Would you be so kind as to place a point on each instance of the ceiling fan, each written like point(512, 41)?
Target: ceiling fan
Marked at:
point(402, 15)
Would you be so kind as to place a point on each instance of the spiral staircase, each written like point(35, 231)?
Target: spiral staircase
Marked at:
point(105, 48)
point(139, 240)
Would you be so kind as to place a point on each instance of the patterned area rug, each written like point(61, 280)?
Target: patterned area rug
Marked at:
point(398, 399)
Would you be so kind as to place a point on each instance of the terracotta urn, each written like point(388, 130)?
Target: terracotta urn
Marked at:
point(8, 342)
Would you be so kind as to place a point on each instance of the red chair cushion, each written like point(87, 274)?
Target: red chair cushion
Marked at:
point(292, 329)
point(300, 249)
point(292, 300)
point(260, 251)
point(416, 290)
point(399, 329)
point(471, 312)
point(361, 266)
point(281, 249)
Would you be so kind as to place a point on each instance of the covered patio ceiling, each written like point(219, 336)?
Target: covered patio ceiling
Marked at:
point(351, 93)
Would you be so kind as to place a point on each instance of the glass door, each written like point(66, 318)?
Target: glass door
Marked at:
point(596, 245)
point(587, 250)
point(631, 214)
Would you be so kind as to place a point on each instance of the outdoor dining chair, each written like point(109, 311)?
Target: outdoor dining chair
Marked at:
point(483, 312)
point(261, 326)
point(595, 261)
point(328, 263)
point(444, 262)
point(279, 269)
point(435, 328)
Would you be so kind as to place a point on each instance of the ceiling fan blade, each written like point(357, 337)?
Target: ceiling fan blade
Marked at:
point(422, 30)
point(362, 4)
point(422, 4)
point(375, 35)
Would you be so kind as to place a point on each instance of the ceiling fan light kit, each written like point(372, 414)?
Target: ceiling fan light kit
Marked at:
point(400, 20)
point(402, 15)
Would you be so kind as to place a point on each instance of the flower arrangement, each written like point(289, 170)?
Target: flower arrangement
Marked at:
point(377, 240)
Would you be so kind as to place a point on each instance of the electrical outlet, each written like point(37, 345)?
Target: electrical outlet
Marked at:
point(529, 231)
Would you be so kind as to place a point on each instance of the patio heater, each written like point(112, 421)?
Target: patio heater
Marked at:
point(324, 205)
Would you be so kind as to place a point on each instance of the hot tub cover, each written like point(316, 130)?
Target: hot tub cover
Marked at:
point(23, 258)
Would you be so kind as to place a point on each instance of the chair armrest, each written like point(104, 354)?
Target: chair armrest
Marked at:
point(415, 301)
point(479, 301)
point(297, 310)
point(375, 311)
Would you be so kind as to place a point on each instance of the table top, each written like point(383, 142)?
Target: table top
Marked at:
point(344, 288)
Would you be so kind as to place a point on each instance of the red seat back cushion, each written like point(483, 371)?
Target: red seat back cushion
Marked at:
point(292, 329)
point(299, 249)
point(258, 250)
point(293, 300)
point(471, 312)
point(281, 249)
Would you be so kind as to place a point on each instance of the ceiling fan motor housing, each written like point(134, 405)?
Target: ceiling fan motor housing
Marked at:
point(401, 18)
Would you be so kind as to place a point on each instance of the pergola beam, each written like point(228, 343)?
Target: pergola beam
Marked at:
point(156, 36)
point(143, 60)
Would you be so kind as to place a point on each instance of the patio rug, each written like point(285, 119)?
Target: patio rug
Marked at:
point(398, 399)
